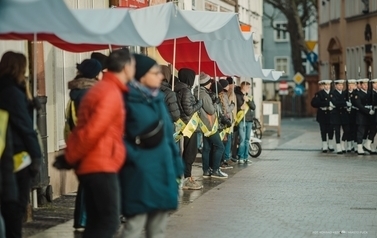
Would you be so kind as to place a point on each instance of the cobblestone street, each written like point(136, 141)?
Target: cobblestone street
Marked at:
point(291, 190)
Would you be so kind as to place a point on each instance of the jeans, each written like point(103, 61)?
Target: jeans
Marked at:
point(217, 146)
point(228, 146)
point(102, 201)
point(79, 214)
point(244, 130)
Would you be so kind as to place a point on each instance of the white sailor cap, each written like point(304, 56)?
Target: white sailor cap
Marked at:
point(364, 80)
point(373, 80)
point(320, 82)
point(351, 81)
point(339, 81)
point(326, 81)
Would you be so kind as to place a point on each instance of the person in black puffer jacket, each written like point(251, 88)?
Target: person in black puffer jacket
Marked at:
point(170, 97)
point(24, 138)
point(188, 105)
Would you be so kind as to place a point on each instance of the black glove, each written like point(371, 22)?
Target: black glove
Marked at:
point(61, 163)
point(35, 167)
point(37, 104)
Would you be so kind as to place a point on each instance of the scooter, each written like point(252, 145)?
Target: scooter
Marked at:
point(255, 147)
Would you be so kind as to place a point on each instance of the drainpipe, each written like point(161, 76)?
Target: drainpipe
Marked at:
point(36, 56)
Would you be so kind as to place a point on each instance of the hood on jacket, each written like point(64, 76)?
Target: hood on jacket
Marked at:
point(81, 83)
point(237, 90)
point(187, 76)
point(79, 86)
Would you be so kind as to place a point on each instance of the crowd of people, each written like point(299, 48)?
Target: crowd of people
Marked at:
point(348, 113)
point(120, 122)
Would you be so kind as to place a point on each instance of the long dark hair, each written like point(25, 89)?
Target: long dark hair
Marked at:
point(13, 65)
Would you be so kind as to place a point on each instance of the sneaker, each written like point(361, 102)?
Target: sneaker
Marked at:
point(207, 174)
point(233, 160)
point(219, 174)
point(225, 165)
point(247, 161)
point(241, 161)
point(190, 184)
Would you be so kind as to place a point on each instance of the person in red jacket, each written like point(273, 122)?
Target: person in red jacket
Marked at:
point(95, 147)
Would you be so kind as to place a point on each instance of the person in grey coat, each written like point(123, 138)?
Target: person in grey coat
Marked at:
point(211, 137)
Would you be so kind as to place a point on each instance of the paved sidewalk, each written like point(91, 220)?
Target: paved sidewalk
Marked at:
point(292, 190)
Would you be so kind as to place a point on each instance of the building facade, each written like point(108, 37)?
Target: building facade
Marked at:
point(347, 37)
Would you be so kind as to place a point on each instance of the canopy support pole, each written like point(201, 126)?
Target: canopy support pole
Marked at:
point(199, 69)
point(214, 70)
point(173, 69)
point(110, 48)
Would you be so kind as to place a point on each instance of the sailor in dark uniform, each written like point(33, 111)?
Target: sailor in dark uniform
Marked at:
point(339, 115)
point(322, 102)
point(372, 124)
point(351, 141)
point(363, 103)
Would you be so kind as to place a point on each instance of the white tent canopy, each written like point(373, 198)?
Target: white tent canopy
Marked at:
point(37, 16)
point(149, 26)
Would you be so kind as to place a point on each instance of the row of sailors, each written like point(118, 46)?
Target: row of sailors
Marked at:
point(352, 110)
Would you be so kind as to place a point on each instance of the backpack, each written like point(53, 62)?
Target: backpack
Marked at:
point(70, 119)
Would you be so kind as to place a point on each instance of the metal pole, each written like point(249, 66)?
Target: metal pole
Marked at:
point(173, 69)
point(200, 57)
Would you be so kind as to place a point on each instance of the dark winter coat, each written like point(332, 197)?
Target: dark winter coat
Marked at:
point(14, 101)
point(321, 101)
point(8, 187)
point(339, 115)
point(148, 178)
point(362, 99)
point(250, 114)
point(170, 101)
point(187, 103)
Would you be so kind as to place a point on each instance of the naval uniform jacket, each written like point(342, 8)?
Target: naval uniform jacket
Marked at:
point(373, 101)
point(321, 101)
point(352, 113)
point(339, 115)
point(361, 100)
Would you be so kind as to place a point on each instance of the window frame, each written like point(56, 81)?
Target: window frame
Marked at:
point(276, 32)
point(287, 72)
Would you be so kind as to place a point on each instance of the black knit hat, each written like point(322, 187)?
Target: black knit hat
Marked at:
point(101, 58)
point(230, 80)
point(89, 68)
point(224, 82)
point(143, 65)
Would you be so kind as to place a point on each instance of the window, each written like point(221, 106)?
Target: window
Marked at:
point(282, 64)
point(280, 33)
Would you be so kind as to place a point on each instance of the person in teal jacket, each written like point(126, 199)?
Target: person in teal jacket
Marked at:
point(148, 179)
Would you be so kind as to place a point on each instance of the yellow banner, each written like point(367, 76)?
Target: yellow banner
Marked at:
point(241, 114)
point(206, 132)
point(186, 130)
point(4, 116)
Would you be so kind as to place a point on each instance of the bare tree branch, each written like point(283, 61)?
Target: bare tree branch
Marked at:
point(299, 14)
